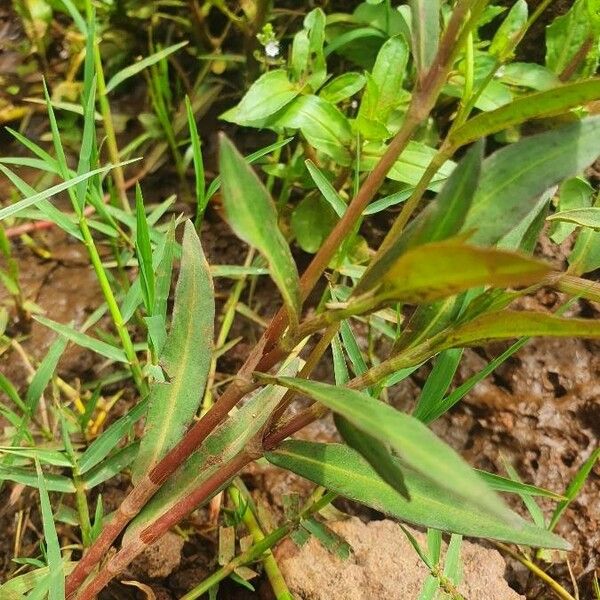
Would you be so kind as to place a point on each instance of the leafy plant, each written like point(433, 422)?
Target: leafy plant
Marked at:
point(458, 254)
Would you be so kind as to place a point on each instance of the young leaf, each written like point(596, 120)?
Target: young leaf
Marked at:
point(342, 87)
point(56, 575)
point(431, 271)
point(124, 74)
point(252, 216)
point(173, 404)
point(341, 469)
point(503, 40)
point(267, 95)
point(572, 193)
point(388, 73)
point(417, 447)
point(507, 194)
point(584, 217)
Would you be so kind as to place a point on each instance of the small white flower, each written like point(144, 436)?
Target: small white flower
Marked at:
point(272, 49)
point(354, 104)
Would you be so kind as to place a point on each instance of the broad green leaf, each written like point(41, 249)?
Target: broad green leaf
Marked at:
point(341, 469)
point(503, 40)
point(225, 442)
point(442, 219)
point(508, 324)
point(56, 575)
point(572, 193)
point(415, 445)
point(514, 177)
point(54, 483)
point(173, 404)
point(529, 75)
point(530, 106)
point(312, 221)
point(85, 341)
point(566, 35)
point(252, 215)
point(342, 87)
point(267, 95)
point(124, 74)
point(388, 73)
point(583, 217)
point(585, 256)
point(322, 124)
point(440, 269)
point(425, 32)
point(413, 162)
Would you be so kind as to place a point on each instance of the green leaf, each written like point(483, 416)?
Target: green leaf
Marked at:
point(322, 124)
point(574, 487)
point(109, 439)
point(54, 483)
point(124, 74)
point(143, 250)
point(566, 35)
point(530, 106)
point(514, 177)
point(504, 38)
point(583, 217)
point(173, 404)
point(326, 188)
point(312, 221)
point(200, 179)
point(529, 75)
point(572, 193)
point(252, 215)
point(342, 87)
point(429, 272)
point(13, 209)
point(85, 341)
point(503, 484)
point(508, 324)
point(267, 95)
point(44, 373)
point(388, 73)
point(425, 32)
point(113, 465)
point(44, 455)
point(416, 446)
point(56, 576)
point(342, 470)
point(225, 442)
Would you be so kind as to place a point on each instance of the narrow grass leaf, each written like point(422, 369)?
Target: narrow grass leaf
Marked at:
point(417, 446)
point(109, 439)
point(343, 470)
point(143, 250)
point(198, 163)
point(56, 575)
point(85, 341)
point(326, 188)
point(110, 467)
point(510, 486)
point(44, 372)
point(124, 74)
point(51, 457)
point(252, 215)
point(54, 483)
point(174, 403)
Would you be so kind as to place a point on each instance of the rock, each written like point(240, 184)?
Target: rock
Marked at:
point(383, 566)
point(160, 559)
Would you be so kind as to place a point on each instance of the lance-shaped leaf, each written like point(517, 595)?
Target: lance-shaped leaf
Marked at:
point(415, 445)
point(252, 215)
point(441, 269)
point(225, 442)
point(585, 217)
point(531, 106)
point(442, 219)
point(185, 357)
point(507, 324)
point(341, 469)
point(514, 177)
point(425, 32)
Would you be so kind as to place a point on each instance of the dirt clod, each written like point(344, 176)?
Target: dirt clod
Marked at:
point(384, 566)
point(161, 559)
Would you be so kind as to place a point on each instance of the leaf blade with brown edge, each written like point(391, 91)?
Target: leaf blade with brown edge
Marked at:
point(252, 216)
point(173, 404)
point(343, 470)
point(434, 271)
point(415, 445)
